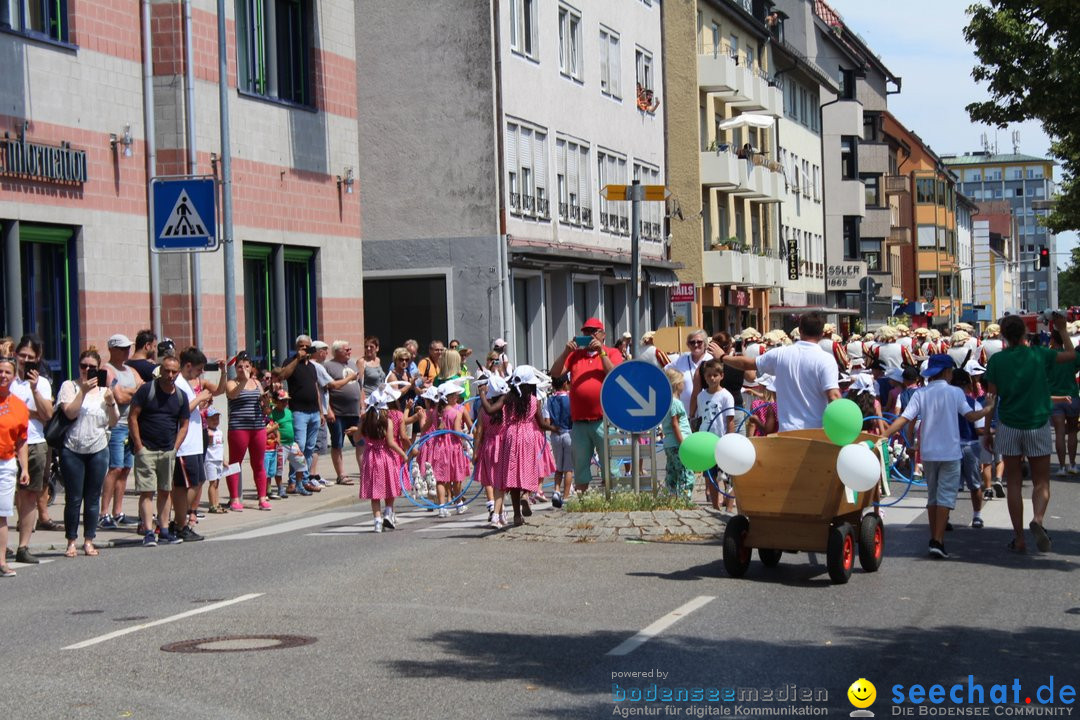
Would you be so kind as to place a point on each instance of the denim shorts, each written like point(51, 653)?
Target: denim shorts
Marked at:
point(1070, 409)
point(970, 476)
point(120, 452)
point(337, 431)
point(942, 482)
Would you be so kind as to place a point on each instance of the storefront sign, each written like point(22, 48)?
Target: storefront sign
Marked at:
point(683, 293)
point(793, 259)
point(845, 276)
point(51, 163)
point(738, 298)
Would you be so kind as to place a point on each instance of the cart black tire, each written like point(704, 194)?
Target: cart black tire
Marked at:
point(769, 558)
point(840, 556)
point(871, 542)
point(736, 551)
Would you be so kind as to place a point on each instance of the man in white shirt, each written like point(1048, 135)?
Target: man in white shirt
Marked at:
point(936, 407)
point(689, 362)
point(190, 471)
point(806, 378)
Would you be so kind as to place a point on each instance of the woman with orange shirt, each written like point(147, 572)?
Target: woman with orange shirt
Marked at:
point(14, 456)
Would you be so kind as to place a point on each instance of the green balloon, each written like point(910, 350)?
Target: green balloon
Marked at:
point(842, 421)
point(697, 451)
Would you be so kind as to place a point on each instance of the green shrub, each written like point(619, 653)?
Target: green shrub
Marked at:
point(625, 500)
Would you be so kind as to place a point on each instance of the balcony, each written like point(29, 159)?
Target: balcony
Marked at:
point(897, 185)
point(900, 236)
point(744, 84)
point(876, 223)
point(758, 179)
point(734, 267)
point(873, 157)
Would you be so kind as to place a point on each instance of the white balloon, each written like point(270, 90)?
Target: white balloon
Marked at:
point(858, 467)
point(735, 454)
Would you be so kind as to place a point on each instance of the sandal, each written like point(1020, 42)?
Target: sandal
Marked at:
point(70, 552)
point(1042, 540)
point(344, 481)
point(89, 550)
point(6, 571)
point(217, 510)
point(50, 525)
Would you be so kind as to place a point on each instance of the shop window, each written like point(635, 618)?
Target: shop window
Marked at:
point(528, 320)
point(273, 49)
point(41, 19)
point(261, 291)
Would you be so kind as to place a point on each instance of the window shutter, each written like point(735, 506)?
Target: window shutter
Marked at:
point(605, 78)
point(511, 149)
point(525, 150)
point(570, 162)
point(585, 191)
point(540, 150)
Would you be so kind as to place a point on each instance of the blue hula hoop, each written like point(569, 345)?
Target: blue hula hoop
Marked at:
point(424, 502)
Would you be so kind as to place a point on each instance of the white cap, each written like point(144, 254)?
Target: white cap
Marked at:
point(119, 341)
point(973, 368)
point(319, 345)
point(499, 343)
point(864, 383)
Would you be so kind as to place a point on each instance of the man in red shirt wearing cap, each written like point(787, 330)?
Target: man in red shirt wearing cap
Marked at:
point(588, 366)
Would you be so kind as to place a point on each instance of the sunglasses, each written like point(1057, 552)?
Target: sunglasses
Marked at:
point(696, 342)
point(88, 366)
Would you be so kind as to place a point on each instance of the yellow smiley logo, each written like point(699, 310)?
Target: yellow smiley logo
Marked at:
point(862, 693)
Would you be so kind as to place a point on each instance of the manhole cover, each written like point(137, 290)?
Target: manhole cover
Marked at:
point(238, 643)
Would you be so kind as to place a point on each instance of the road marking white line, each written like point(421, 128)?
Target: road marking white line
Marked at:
point(628, 646)
point(162, 621)
point(290, 525)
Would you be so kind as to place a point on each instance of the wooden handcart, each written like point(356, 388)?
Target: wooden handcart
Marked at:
point(792, 499)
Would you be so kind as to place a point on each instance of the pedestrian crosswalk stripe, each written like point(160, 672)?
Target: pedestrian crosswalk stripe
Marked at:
point(184, 220)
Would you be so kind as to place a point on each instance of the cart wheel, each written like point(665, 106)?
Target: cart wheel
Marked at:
point(769, 557)
point(840, 556)
point(871, 542)
point(736, 553)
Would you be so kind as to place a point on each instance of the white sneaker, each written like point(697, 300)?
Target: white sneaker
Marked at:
point(497, 522)
point(378, 524)
point(1074, 470)
point(389, 519)
point(444, 513)
point(462, 508)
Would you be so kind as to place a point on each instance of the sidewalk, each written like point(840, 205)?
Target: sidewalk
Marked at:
point(44, 542)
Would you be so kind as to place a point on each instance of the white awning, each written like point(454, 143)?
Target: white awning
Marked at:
point(746, 119)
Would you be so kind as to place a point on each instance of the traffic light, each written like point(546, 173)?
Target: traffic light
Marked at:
point(1044, 258)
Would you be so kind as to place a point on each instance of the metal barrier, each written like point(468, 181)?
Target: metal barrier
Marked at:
point(623, 448)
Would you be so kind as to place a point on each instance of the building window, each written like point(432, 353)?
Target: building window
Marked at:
point(526, 170)
point(849, 161)
point(529, 319)
point(847, 84)
point(611, 170)
point(643, 63)
point(261, 296)
point(973, 175)
point(652, 220)
point(575, 189)
point(523, 28)
point(1015, 173)
point(872, 190)
point(570, 42)
point(924, 191)
point(43, 19)
point(851, 237)
point(273, 48)
point(610, 66)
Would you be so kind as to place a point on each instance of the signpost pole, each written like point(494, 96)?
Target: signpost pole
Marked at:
point(226, 187)
point(636, 192)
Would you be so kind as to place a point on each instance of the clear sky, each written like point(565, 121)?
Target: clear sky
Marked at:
point(922, 41)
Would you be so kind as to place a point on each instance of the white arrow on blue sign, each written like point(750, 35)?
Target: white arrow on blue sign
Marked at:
point(635, 396)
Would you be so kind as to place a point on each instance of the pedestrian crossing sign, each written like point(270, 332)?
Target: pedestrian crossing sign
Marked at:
point(183, 214)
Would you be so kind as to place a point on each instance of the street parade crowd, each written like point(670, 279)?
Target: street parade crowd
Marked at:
point(968, 412)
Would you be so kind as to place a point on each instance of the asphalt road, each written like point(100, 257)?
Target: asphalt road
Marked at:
point(438, 620)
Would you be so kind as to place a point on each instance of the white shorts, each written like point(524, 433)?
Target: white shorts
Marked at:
point(214, 469)
point(9, 476)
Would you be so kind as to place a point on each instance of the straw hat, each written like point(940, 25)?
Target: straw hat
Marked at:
point(959, 337)
point(902, 328)
point(935, 334)
point(750, 334)
point(868, 337)
point(921, 332)
point(887, 332)
point(794, 334)
point(828, 330)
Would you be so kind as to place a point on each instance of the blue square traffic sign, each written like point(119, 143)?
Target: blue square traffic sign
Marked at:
point(184, 217)
point(635, 396)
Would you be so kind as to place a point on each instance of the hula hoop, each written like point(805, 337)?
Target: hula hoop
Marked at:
point(424, 502)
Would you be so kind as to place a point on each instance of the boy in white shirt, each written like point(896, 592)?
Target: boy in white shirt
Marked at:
point(936, 407)
point(715, 410)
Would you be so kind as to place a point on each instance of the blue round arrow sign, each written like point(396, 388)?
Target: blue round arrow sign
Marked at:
point(635, 396)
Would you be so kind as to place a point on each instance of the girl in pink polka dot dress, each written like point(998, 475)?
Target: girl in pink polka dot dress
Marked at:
point(448, 458)
point(383, 458)
point(525, 456)
point(488, 440)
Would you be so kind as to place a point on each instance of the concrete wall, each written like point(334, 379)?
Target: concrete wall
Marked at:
point(799, 212)
point(428, 158)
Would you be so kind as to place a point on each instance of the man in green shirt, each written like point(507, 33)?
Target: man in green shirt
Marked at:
point(1019, 376)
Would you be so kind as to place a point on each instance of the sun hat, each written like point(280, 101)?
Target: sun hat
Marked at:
point(497, 386)
point(499, 343)
point(864, 383)
point(935, 364)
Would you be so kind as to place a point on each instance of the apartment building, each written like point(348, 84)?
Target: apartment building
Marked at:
point(82, 82)
point(1026, 183)
point(485, 171)
point(725, 173)
point(933, 265)
point(996, 244)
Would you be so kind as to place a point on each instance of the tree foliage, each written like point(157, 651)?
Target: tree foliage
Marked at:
point(1069, 281)
point(1029, 56)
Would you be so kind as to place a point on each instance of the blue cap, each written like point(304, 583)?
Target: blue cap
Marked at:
point(936, 364)
point(212, 412)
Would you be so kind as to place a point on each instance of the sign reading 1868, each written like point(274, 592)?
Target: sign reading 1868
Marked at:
point(53, 163)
